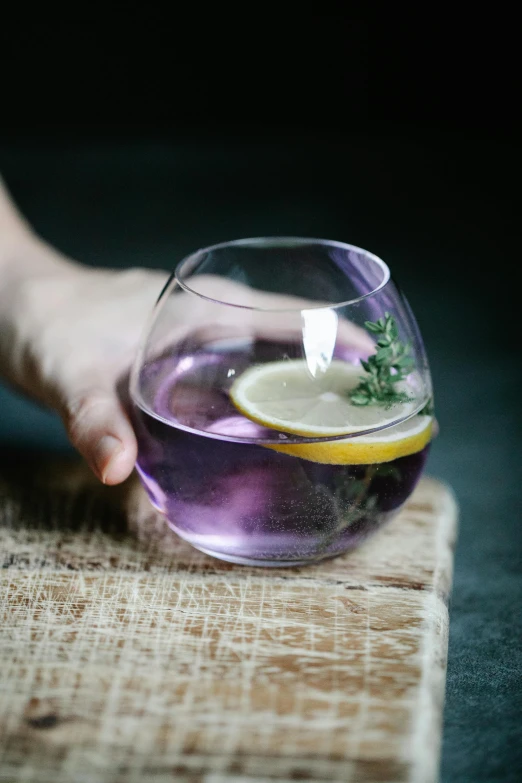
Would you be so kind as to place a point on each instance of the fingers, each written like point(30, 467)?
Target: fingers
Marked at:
point(100, 430)
point(352, 336)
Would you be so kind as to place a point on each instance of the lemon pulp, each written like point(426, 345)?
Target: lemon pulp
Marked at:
point(284, 396)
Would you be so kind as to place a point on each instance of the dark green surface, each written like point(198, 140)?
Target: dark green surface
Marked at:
point(441, 213)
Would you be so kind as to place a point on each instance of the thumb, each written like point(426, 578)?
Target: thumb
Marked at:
point(100, 430)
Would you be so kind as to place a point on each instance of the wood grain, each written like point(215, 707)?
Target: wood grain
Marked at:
point(128, 656)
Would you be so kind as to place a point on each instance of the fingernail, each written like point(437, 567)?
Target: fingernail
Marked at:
point(107, 448)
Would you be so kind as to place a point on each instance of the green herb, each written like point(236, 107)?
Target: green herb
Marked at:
point(388, 470)
point(384, 369)
point(429, 408)
point(353, 502)
point(354, 499)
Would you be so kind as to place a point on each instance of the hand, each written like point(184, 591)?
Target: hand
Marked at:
point(67, 334)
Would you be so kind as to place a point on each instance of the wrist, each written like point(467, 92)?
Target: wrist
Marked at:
point(22, 252)
point(32, 277)
point(23, 255)
point(34, 281)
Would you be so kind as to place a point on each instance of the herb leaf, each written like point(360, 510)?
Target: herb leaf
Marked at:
point(428, 410)
point(385, 368)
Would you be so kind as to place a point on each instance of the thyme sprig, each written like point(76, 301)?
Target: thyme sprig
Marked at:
point(385, 368)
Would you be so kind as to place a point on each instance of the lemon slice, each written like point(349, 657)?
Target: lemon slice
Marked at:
point(284, 396)
point(407, 438)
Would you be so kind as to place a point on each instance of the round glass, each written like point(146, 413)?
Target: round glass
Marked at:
point(282, 400)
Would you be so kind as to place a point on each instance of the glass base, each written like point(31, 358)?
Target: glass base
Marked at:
point(267, 560)
point(247, 561)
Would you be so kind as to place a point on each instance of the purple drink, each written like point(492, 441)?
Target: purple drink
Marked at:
point(206, 469)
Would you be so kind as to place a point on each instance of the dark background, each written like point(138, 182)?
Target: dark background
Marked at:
point(134, 146)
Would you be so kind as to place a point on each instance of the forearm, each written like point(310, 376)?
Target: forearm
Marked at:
point(33, 282)
point(67, 334)
point(15, 232)
point(12, 224)
point(22, 253)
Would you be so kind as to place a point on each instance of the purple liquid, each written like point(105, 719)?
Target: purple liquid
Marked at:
point(241, 501)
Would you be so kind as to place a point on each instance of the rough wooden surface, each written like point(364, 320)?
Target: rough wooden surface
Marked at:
point(127, 656)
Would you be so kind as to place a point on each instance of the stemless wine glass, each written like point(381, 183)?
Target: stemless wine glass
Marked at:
point(281, 399)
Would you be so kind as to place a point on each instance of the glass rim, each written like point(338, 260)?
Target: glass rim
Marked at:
point(278, 241)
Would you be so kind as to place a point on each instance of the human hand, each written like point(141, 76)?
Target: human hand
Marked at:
point(67, 334)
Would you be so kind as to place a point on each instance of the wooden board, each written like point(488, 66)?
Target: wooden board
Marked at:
point(128, 656)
